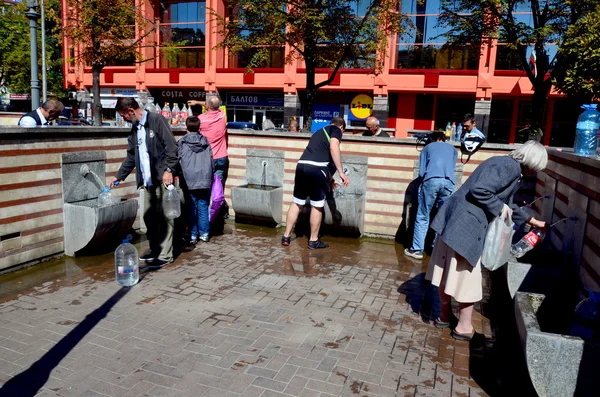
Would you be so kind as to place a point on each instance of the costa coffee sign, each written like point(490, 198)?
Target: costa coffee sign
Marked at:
point(181, 94)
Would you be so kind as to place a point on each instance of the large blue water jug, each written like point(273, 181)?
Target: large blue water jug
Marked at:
point(586, 138)
point(587, 318)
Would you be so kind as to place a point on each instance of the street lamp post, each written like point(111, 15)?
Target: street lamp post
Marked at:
point(33, 16)
point(44, 79)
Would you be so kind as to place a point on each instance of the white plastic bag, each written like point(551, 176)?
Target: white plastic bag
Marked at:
point(498, 240)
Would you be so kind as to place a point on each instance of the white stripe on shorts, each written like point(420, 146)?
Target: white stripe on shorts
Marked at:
point(316, 164)
point(318, 204)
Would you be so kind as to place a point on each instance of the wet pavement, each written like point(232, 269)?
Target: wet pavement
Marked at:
point(239, 316)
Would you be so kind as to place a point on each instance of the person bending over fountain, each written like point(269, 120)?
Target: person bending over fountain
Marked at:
point(152, 151)
point(314, 179)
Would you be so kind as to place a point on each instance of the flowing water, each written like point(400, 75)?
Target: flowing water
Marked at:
point(98, 179)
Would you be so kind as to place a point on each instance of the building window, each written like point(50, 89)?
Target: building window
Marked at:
point(183, 23)
point(500, 120)
point(507, 57)
point(424, 47)
point(452, 110)
point(274, 58)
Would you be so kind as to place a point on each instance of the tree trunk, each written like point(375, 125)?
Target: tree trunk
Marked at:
point(97, 106)
point(309, 102)
point(311, 94)
point(538, 103)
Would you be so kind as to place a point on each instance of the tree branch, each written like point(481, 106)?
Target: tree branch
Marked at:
point(348, 46)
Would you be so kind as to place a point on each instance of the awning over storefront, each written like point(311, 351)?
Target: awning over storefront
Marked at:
point(255, 99)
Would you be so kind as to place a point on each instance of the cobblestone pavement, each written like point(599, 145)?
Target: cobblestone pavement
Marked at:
point(239, 316)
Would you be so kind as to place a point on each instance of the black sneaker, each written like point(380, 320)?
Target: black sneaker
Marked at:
point(158, 263)
point(148, 256)
point(413, 253)
point(285, 241)
point(313, 245)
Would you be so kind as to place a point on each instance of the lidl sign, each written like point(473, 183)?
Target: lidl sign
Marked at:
point(361, 107)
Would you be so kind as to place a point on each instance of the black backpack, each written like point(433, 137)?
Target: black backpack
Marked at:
point(470, 143)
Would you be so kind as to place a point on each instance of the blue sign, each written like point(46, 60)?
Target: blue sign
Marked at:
point(255, 99)
point(322, 115)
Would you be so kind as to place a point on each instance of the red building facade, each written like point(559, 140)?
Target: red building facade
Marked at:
point(422, 85)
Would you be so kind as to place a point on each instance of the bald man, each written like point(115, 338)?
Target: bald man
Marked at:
point(373, 128)
point(213, 125)
point(50, 110)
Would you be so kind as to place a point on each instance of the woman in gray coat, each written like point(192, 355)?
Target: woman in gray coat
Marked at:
point(461, 224)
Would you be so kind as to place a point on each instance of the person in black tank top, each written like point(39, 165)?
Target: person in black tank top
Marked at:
point(314, 179)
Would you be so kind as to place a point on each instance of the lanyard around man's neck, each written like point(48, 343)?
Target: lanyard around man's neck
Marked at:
point(327, 135)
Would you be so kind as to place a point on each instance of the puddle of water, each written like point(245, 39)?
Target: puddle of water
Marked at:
point(59, 272)
point(258, 241)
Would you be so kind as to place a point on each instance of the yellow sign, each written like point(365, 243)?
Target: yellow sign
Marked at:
point(361, 106)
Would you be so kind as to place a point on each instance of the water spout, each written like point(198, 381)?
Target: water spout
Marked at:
point(263, 180)
point(84, 170)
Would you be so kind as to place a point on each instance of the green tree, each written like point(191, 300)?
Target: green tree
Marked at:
point(581, 50)
point(324, 33)
point(15, 60)
point(473, 21)
point(105, 30)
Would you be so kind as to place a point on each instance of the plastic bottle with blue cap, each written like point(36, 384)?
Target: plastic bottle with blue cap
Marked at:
point(127, 268)
point(586, 137)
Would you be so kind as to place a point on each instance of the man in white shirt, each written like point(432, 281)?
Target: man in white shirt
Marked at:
point(373, 128)
point(49, 111)
point(152, 152)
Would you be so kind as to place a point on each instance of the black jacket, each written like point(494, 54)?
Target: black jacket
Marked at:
point(162, 150)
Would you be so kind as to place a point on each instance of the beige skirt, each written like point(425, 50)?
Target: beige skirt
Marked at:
point(452, 273)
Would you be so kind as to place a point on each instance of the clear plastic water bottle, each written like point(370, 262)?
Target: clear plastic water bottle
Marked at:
point(175, 114)
point(166, 112)
point(586, 137)
point(150, 106)
point(127, 268)
point(183, 115)
point(459, 129)
point(172, 203)
point(528, 242)
point(453, 131)
point(587, 318)
point(105, 197)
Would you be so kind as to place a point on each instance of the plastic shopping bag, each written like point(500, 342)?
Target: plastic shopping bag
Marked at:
point(217, 197)
point(498, 240)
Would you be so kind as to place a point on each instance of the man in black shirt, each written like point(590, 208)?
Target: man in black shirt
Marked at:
point(314, 179)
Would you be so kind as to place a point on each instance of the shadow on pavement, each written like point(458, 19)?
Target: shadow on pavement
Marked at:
point(30, 381)
point(422, 297)
point(498, 366)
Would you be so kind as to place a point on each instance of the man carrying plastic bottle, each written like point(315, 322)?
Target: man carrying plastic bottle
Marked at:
point(314, 179)
point(152, 151)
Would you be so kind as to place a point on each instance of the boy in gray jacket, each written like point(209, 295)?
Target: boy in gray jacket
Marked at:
point(196, 161)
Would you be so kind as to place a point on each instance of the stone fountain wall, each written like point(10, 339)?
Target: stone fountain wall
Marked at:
point(31, 205)
point(260, 199)
point(87, 226)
